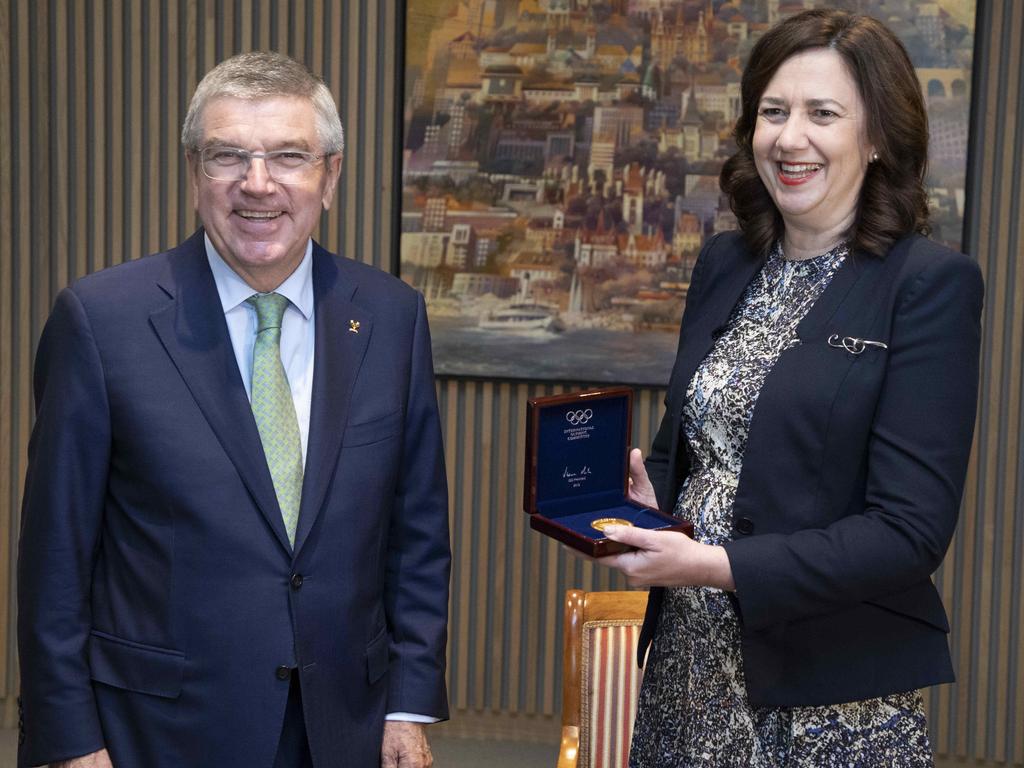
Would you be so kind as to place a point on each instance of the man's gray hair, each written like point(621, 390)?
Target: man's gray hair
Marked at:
point(265, 75)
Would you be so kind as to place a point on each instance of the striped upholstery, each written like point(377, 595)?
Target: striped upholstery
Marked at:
point(600, 679)
point(611, 683)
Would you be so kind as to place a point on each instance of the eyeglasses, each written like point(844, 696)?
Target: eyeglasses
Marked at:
point(284, 166)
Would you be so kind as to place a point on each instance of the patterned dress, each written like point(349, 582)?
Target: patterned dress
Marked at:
point(693, 707)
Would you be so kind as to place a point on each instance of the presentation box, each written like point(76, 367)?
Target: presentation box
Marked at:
point(577, 470)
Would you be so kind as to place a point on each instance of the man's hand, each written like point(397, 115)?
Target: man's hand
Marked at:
point(95, 760)
point(405, 745)
point(640, 489)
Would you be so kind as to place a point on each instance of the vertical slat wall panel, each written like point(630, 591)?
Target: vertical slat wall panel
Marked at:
point(92, 94)
point(985, 712)
point(58, 148)
point(117, 148)
point(76, 184)
point(18, 312)
point(38, 170)
point(8, 400)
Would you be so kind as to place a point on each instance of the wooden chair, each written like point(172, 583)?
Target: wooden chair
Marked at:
point(600, 678)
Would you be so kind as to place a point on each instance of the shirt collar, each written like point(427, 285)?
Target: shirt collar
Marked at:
point(233, 290)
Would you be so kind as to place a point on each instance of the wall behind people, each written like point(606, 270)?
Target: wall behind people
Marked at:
point(92, 93)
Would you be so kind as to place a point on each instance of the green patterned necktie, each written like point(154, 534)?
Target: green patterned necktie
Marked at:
point(274, 409)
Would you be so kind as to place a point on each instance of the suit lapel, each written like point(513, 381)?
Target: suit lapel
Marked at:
point(194, 333)
point(342, 335)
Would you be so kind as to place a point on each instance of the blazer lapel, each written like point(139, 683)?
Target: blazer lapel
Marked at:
point(857, 280)
point(722, 289)
point(343, 332)
point(195, 335)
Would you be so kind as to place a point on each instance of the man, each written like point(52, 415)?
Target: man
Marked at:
point(234, 545)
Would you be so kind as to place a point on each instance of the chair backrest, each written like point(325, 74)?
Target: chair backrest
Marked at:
point(600, 679)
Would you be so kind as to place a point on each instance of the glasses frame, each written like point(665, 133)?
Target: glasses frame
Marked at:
point(311, 161)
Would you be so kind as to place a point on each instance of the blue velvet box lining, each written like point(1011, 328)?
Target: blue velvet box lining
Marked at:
point(578, 521)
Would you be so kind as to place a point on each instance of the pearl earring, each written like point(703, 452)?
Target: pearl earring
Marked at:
point(874, 157)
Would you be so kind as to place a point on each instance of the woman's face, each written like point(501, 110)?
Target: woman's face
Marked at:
point(810, 144)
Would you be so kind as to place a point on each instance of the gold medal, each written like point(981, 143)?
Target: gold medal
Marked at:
point(603, 522)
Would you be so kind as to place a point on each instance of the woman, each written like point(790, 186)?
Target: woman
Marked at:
point(818, 425)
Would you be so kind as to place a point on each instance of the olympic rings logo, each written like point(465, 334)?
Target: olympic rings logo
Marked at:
point(576, 418)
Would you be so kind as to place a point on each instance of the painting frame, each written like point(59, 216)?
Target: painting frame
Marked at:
point(623, 328)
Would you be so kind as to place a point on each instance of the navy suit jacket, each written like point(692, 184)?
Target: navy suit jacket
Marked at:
point(853, 473)
point(158, 593)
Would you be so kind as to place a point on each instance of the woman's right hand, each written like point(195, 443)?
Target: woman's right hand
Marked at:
point(640, 488)
point(100, 759)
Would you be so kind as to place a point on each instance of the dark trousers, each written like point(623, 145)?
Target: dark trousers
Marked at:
point(293, 748)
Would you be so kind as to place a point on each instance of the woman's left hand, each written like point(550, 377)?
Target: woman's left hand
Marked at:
point(668, 559)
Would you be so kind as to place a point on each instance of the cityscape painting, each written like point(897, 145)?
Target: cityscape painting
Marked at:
point(560, 167)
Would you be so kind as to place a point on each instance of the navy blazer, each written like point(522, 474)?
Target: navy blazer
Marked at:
point(853, 473)
point(160, 603)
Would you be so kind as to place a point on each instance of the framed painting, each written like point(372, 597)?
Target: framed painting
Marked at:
point(560, 163)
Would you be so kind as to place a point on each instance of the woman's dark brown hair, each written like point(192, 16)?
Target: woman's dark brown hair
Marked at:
point(893, 202)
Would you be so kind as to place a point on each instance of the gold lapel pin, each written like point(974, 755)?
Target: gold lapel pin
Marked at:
point(353, 326)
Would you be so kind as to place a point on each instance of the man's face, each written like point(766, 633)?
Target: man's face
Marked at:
point(260, 227)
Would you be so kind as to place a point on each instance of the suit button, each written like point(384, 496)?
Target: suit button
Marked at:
point(283, 672)
point(745, 526)
point(296, 580)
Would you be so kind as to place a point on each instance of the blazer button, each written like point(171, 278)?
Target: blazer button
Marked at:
point(296, 580)
point(745, 526)
point(283, 672)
